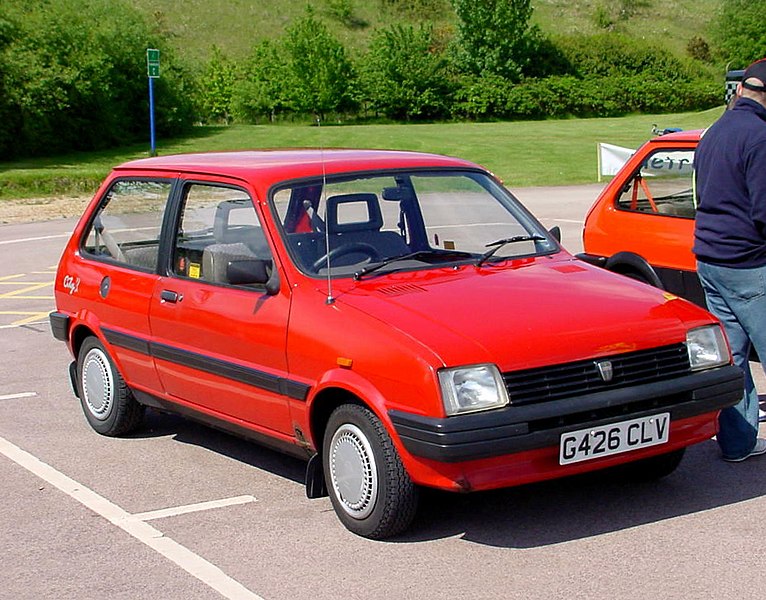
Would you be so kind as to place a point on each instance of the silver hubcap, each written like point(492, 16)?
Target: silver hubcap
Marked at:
point(352, 471)
point(97, 384)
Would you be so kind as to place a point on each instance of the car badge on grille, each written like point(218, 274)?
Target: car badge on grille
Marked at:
point(605, 370)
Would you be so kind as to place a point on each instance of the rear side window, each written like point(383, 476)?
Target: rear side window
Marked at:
point(126, 227)
point(662, 185)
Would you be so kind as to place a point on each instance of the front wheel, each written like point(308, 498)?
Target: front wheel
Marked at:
point(106, 400)
point(370, 490)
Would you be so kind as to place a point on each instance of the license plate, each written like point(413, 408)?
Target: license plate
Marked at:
point(594, 442)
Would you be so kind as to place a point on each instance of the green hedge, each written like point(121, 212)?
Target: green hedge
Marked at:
point(567, 96)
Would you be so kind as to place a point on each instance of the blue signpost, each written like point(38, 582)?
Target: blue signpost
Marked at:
point(153, 71)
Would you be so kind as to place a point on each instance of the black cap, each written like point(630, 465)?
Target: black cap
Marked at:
point(757, 69)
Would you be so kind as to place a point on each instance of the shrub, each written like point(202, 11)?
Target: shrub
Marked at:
point(698, 49)
point(738, 32)
point(567, 96)
point(495, 37)
point(402, 76)
point(217, 88)
point(263, 89)
point(615, 54)
point(79, 82)
point(319, 72)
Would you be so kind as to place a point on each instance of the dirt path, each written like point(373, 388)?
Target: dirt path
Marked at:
point(41, 209)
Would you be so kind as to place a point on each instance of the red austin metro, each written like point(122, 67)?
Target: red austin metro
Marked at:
point(396, 318)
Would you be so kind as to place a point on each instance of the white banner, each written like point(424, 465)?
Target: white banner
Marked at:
point(611, 158)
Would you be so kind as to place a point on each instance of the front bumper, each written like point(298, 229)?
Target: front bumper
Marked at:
point(533, 426)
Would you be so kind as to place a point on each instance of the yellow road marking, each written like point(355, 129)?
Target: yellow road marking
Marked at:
point(29, 288)
point(29, 317)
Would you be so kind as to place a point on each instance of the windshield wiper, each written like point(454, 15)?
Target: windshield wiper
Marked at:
point(496, 245)
point(372, 268)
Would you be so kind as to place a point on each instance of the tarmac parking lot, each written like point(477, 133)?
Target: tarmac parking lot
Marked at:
point(181, 511)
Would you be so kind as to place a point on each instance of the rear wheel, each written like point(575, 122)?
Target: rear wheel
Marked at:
point(106, 400)
point(370, 490)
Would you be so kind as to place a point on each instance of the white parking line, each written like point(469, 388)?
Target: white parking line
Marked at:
point(17, 396)
point(190, 562)
point(35, 239)
point(189, 508)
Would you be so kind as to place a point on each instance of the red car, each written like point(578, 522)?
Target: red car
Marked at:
point(642, 223)
point(396, 318)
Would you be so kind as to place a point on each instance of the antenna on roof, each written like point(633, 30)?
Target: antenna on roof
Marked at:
point(323, 197)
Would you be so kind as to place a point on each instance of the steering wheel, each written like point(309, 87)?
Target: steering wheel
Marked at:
point(350, 248)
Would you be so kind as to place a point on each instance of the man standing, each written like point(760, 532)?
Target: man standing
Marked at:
point(730, 245)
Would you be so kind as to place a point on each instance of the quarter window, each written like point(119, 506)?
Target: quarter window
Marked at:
point(127, 224)
point(663, 185)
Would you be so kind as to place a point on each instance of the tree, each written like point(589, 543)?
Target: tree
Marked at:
point(495, 37)
point(218, 87)
point(264, 88)
point(738, 32)
point(320, 73)
point(403, 76)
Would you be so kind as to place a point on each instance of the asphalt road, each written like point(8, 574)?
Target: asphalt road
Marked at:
point(180, 511)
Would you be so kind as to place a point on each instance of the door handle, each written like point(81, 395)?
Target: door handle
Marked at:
point(170, 296)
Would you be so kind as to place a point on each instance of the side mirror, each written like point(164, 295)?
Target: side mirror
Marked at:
point(250, 272)
point(555, 231)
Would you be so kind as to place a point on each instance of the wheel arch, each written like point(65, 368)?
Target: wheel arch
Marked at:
point(323, 405)
point(79, 334)
point(628, 263)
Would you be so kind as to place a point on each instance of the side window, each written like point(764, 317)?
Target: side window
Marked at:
point(662, 186)
point(219, 238)
point(127, 225)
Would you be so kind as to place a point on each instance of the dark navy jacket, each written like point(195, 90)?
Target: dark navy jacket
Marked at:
point(731, 184)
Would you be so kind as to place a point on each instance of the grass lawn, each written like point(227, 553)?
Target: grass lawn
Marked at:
point(527, 153)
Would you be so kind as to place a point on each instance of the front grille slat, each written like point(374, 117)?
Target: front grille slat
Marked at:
point(570, 379)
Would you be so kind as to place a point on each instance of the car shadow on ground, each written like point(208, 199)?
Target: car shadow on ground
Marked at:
point(186, 431)
point(528, 516)
point(588, 505)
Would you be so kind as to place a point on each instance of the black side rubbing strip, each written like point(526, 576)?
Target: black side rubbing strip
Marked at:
point(253, 377)
point(124, 340)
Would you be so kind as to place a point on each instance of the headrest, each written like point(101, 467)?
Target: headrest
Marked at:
point(221, 219)
point(358, 212)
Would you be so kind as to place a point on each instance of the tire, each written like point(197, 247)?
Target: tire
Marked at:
point(370, 490)
point(652, 468)
point(106, 400)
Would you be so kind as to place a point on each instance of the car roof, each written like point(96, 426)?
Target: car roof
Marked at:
point(691, 135)
point(270, 166)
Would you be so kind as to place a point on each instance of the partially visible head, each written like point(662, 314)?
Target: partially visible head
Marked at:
point(753, 84)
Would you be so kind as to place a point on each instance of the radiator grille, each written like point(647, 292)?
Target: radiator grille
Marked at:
point(583, 377)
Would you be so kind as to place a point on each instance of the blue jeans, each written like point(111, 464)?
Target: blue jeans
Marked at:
point(738, 298)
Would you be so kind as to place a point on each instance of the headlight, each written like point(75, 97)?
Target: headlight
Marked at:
point(471, 389)
point(707, 347)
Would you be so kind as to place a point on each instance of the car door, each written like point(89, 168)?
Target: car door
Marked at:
point(117, 275)
point(220, 346)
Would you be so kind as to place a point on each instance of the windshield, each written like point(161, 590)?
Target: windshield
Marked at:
point(404, 220)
